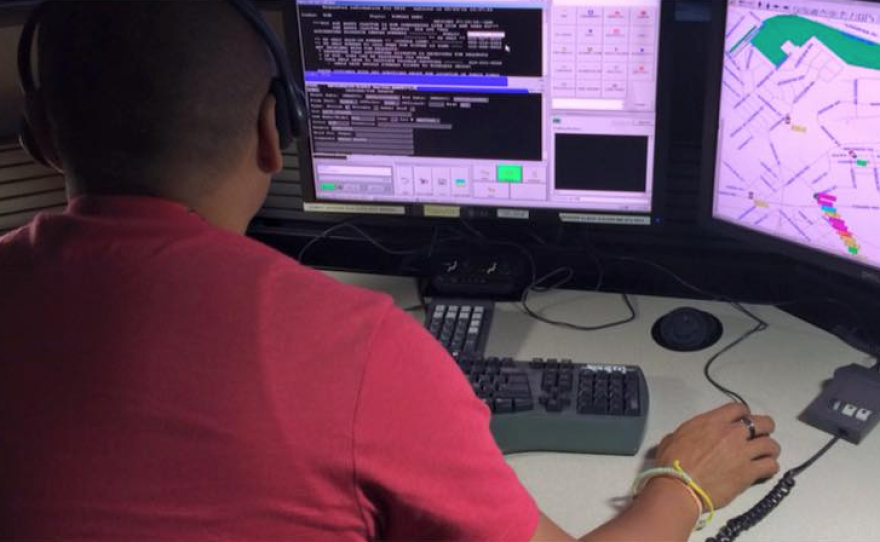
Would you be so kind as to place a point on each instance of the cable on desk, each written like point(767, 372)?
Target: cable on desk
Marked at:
point(421, 286)
point(537, 287)
point(760, 324)
point(349, 225)
point(736, 526)
point(537, 284)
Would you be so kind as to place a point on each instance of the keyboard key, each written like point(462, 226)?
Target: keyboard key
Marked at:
point(503, 406)
point(576, 398)
point(513, 394)
point(522, 405)
point(553, 405)
point(632, 407)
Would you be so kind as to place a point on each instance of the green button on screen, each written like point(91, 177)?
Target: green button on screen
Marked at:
point(510, 174)
point(328, 187)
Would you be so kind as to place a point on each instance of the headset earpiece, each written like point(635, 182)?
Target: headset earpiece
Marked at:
point(290, 108)
point(28, 143)
point(282, 113)
point(34, 135)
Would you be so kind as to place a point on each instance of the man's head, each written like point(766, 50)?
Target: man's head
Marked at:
point(161, 98)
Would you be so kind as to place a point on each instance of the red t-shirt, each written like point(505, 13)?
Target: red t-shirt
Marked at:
point(161, 379)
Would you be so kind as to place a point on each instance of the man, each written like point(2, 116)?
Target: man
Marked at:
point(165, 378)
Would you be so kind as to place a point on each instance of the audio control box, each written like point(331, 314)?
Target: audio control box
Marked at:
point(849, 405)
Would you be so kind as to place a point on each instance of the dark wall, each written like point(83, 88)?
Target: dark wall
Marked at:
point(10, 95)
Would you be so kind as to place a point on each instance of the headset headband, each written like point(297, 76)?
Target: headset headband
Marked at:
point(25, 45)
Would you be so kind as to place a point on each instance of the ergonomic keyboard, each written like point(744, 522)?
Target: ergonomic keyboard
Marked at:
point(461, 326)
point(560, 406)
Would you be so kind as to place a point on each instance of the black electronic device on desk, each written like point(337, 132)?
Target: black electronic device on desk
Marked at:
point(849, 406)
point(488, 275)
point(461, 326)
point(559, 406)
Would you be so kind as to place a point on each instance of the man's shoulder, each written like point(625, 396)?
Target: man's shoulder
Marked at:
point(14, 244)
point(294, 280)
point(290, 290)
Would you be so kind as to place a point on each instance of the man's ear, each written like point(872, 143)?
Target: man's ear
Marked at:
point(268, 147)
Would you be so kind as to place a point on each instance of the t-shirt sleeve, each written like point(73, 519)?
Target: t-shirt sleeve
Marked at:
point(426, 465)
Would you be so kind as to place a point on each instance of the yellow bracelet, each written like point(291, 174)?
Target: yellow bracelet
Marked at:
point(695, 498)
point(674, 474)
point(697, 489)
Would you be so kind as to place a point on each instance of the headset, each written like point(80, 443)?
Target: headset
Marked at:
point(290, 104)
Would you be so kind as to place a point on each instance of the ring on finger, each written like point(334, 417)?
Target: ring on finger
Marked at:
point(750, 425)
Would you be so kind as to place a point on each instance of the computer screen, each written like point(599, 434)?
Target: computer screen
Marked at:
point(797, 147)
point(507, 104)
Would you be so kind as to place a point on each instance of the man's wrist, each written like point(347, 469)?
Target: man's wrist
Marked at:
point(675, 496)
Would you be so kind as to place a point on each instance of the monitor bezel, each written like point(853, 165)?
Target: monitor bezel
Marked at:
point(708, 221)
point(662, 147)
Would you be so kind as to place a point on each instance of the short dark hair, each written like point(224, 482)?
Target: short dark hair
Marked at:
point(150, 97)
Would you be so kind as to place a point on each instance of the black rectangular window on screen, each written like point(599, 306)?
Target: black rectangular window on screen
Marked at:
point(405, 122)
point(421, 39)
point(608, 163)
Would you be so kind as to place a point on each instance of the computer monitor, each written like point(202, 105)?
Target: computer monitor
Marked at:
point(511, 109)
point(793, 136)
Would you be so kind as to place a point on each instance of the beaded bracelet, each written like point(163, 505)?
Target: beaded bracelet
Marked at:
point(695, 491)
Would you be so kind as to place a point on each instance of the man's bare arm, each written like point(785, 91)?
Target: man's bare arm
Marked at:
point(662, 513)
point(714, 449)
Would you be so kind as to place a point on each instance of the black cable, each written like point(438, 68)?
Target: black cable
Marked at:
point(633, 315)
point(348, 225)
point(537, 286)
point(736, 526)
point(729, 299)
point(760, 324)
point(433, 244)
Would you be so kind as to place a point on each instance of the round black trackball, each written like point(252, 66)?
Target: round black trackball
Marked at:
point(687, 330)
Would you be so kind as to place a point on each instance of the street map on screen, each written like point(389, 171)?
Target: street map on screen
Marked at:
point(799, 136)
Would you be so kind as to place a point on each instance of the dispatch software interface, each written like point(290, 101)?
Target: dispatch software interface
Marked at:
point(514, 103)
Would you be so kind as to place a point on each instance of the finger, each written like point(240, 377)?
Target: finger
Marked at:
point(763, 447)
point(730, 412)
point(764, 425)
point(763, 468)
point(761, 426)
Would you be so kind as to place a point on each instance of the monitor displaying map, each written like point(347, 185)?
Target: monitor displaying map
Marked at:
point(798, 149)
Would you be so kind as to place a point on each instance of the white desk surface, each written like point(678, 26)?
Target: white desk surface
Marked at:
point(779, 372)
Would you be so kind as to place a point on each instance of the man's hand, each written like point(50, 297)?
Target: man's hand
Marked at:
point(715, 450)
